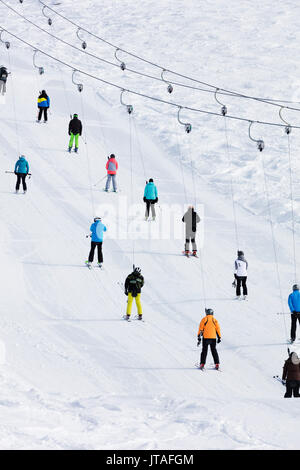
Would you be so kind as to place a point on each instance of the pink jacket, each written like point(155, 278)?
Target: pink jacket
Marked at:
point(112, 166)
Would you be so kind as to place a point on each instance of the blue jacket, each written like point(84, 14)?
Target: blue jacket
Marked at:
point(22, 166)
point(97, 229)
point(294, 301)
point(43, 101)
point(150, 191)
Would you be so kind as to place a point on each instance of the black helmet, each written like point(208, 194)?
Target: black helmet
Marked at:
point(137, 270)
point(97, 218)
point(240, 253)
point(209, 311)
point(75, 115)
point(112, 156)
point(296, 287)
point(151, 180)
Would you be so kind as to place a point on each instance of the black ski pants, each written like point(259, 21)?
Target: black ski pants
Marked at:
point(21, 177)
point(292, 388)
point(241, 281)
point(294, 317)
point(41, 112)
point(92, 251)
point(212, 343)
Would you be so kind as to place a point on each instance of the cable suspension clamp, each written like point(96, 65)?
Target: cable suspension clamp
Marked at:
point(170, 86)
point(260, 143)
point(187, 125)
point(288, 128)
point(224, 108)
point(83, 42)
point(7, 43)
point(46, 16)
point(79, 85)
point(128, 106)
point(41, 70)
point(122, 64)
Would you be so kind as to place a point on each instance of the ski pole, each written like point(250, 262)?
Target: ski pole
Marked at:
point(12, 173)
point(99, 181)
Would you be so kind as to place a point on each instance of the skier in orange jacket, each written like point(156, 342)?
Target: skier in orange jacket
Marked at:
point(209, 328)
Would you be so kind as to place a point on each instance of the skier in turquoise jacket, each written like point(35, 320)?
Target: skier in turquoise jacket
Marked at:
point(21, 170)
point(294, 304)
point(97, 230)
point(150, 198)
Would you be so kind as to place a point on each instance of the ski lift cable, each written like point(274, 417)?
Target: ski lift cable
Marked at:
point(14, 102)
point(164, 69)
point(229, 159)
point(273, 239)
point(292, 208)
point(87, 157)
point(143, 95)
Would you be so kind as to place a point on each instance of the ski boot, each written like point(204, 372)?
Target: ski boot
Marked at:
point(217, 366)
point(186, 253)
point(99, 264)
point(245, 297)
point(69, 149)
point(25, 191)
point(127, 317)
point(89, 265)
point(140, 317)
point(17, 191)
point(76, 149)
point(238, 297)
point(201, 367)
point(195, 253)
point(153, 218)
point(146, 218)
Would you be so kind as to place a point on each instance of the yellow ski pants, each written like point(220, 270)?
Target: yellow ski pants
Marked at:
point(137, 301)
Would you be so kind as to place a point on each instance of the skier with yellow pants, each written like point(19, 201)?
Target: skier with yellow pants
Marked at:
point(133, 286)
point(75, 130)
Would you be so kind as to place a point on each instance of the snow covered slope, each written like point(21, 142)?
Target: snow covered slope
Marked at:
point(74, 374)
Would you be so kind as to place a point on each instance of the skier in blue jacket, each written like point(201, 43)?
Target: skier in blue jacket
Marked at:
point(97, 230)
point(150, 198)
point(21, 170)
point(294, 304)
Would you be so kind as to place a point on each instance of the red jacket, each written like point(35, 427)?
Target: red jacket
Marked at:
point(112, 166)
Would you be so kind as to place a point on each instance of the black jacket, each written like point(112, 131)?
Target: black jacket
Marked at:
point(75, 126)
point(134, 283)
point(3, 74)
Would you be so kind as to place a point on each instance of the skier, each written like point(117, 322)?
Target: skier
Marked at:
point(97, 230)
point(294, 304)
point(240, 274)
point(3, 79)
point(210, 330)
point(191, 219)
point(21, 170)
point(133, 286)
point(150, 198)
point(111, 167)
point(75, 130)
point(43, 106)
point(291, 376)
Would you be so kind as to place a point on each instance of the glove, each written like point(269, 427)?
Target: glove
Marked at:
point(144, 199)
point(283, 382)
point(219, 340)
point(156, 200)
point(15, 172)
point(199, 340)
point(234, 284)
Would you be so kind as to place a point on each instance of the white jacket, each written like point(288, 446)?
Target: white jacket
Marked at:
point(241, 267)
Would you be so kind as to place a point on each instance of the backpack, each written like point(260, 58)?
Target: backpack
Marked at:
point(3, 74)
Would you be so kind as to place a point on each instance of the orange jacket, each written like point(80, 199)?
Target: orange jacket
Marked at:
point(209, 327)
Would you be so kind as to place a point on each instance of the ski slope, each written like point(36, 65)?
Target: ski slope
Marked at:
point(75, 375)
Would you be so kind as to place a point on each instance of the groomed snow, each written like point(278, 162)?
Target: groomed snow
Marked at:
point(73, 374)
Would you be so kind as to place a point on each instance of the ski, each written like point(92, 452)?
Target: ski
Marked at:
point(186, 253)
point(276, 377)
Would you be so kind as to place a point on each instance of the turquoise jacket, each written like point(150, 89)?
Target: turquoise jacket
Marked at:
point(150, 192)
point(22, 166)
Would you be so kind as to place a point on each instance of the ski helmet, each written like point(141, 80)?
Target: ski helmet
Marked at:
point(209, 311)
point(151, 180)
point(97, 218)
point(137, 270)
point(296, 287)
point(75, 115)
point(112, 156)
point(240, 253)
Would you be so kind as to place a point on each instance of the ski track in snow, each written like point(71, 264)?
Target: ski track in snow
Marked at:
point(75, 376)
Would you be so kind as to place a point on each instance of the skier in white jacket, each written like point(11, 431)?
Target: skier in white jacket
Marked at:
point(240, 274)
